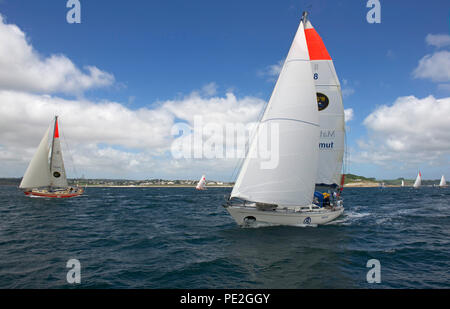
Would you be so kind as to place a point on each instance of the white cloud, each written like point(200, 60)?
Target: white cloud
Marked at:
point(409, 132)
point(435, 67)
point(438, 40)
point(348, 114)
point(107, 137)
point(22, 68)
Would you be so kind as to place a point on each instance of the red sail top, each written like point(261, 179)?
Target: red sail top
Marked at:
point(56, 129)
point(316, 48)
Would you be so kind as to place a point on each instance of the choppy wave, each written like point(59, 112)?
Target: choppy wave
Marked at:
point(182, 238)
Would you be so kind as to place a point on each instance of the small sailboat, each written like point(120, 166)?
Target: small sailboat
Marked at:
point(306, 106)
point(403, 183)
point(201, 184)
point(443, 183)
point(46, 175)
point(418, 181)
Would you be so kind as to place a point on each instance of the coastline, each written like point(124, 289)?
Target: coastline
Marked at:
point(350, 185)
point(155, 186)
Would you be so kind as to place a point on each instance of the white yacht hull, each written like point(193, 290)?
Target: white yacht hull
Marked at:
point(246, 215)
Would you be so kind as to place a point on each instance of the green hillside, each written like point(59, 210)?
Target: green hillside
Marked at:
point(351, 178)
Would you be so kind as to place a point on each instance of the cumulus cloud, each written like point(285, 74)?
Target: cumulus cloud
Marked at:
point(435, 67)
point(108, 136)
point(409, 132)
point(438, 40)
point(105, 137)
point(22, 68)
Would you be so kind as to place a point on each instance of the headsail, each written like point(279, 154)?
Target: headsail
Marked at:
point(331, 110)
point(418, 181)
point(293, 116)
point(38, 172)
point(57, 171)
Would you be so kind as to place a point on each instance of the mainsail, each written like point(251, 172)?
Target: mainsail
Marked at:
point(38, 172)
point(443, 183)
point(202, 183)
point(418, 181)
point(293, 117)
point(331, 110)
point(403, 183)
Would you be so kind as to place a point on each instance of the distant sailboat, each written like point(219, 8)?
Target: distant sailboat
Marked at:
point(201, 184)
point(284, 194)
point(403, 183)
point(46, 175)
point(443, 183)
point(418, 181)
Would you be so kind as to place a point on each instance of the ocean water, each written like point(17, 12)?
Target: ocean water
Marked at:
point(183, 238)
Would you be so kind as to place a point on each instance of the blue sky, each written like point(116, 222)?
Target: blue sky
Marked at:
point(159, 51)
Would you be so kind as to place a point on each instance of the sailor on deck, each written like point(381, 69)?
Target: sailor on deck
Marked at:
point(326, 199)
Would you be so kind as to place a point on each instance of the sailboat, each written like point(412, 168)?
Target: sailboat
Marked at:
point(46, 175)
point(403, 183)
point(306, 107)
point(443, 183)
point(418, 181)
point(201, 184)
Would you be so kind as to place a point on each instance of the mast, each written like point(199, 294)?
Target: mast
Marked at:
point(305, 17)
